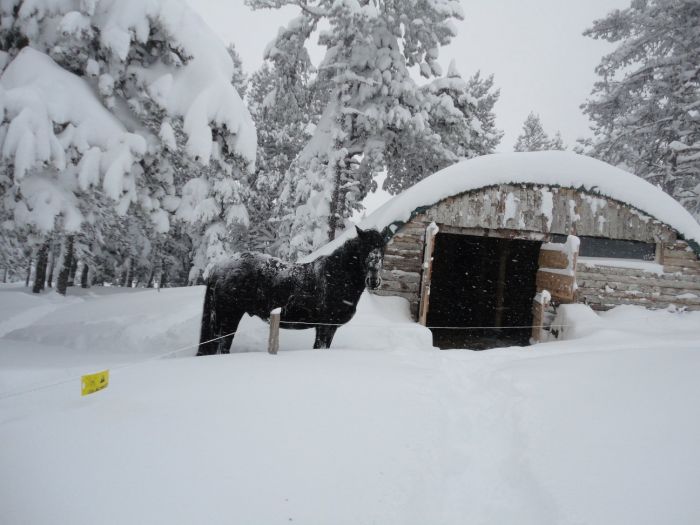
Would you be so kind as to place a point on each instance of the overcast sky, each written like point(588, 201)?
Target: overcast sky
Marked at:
point(535, 49)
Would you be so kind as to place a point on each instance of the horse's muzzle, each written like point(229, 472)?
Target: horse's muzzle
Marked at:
point(373, 282)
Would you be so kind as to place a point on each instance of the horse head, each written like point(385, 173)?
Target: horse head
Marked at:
point(372, 243)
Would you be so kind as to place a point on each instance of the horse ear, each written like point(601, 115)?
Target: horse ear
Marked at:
point(360, 232)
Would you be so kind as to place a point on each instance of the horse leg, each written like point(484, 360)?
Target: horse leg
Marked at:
point(324, 336)
point(228, 327)
point(209, 325)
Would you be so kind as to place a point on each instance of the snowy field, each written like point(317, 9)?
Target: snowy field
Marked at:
point(383, 428)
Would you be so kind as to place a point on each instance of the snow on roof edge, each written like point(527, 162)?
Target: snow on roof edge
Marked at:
point(547, 168)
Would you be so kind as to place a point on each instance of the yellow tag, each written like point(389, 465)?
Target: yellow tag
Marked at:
point(92, 383)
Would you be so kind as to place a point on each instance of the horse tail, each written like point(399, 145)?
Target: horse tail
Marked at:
point(208, 329)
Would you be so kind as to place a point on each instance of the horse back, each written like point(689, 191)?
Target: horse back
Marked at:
point(257, 283)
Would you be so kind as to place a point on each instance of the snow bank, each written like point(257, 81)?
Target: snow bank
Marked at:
point(143, 322)
point(623, 323)
point(599, 429)
point(548, 168)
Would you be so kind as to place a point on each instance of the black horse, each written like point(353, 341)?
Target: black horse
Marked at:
point(322, 294)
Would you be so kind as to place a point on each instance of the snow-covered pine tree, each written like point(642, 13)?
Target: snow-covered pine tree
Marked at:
point(557, 143)
point(485, 136)
point(462, 119)
point(533, 136)
point(645, 107)
point(286, 103)
point(135, 98)
point(370, 46)
point(239, 78)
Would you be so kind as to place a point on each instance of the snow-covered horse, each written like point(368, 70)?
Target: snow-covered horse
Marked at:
point(322, 294)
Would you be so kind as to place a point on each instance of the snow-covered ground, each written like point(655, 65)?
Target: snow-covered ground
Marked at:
point(383, 428)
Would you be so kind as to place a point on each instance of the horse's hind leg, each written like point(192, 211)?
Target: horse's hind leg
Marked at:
point(219, 324)
point(324, 336)
point(227, 328)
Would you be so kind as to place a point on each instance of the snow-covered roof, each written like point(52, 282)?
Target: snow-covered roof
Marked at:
point(549, 168)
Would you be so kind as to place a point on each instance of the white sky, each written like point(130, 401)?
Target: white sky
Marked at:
point(535, 49)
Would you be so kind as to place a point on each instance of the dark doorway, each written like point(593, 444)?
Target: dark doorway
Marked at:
point(482, 282)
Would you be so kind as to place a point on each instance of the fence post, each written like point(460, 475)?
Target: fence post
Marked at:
point(273, 342)
point(539, 305)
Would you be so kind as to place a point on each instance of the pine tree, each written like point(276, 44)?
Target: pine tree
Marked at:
point(463, 123)
point(285, 102)
point(370, 47)
point(644, 106)
point(239, 80)
point(147, 102)
point(533, 137)
point(557, 143)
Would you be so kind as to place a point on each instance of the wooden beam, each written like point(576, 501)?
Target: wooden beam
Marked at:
point(430, 233)
point(560, 286)
point(553, 259)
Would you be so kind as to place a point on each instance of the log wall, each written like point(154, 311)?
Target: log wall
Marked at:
point(604, 287)
point(534, 212)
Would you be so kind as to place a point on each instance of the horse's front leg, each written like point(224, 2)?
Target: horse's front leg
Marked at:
point(324, 336)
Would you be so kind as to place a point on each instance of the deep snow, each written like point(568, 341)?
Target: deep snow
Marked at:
point(383, 428)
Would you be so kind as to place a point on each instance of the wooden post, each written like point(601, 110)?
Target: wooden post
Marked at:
point(430, 232)
point(273, 343)
point(539, 305)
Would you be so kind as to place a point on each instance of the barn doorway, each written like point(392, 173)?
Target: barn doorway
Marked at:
point(482, 282)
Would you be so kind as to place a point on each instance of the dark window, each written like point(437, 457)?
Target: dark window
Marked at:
point(613, 248)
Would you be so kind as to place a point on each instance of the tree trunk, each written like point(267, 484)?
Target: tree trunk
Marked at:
point(29, 273)
point(151, 278)
point(130, 273)
point(73, 271)
point(334, 206)
point(84, 283)
point(52, 264)
point(42, 260)
point(62, 284)
point(163, 277)
point(4, 276)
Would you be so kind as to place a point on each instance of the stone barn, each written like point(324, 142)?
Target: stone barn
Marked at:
point(485, 249)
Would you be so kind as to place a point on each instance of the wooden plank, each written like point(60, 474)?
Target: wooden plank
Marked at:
point(561, 287)
point(684, 270)
point(681, 259)
point(400, 286)
point(405, 264)
point(663, 281)
point(430, 233)
point(629, 272)
point(641, 289)
point(398, 275)
point(411, 297)
point(553, 259)
point(596, 301)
